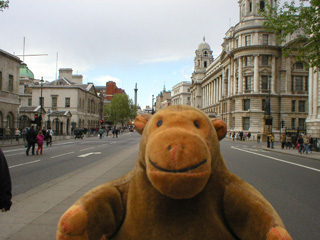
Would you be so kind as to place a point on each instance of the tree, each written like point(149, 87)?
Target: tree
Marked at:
point(3, 5)
point(303, 21)
point(120, 109)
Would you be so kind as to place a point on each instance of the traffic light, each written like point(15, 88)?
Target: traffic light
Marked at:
point(101, 121)
point(282, 123)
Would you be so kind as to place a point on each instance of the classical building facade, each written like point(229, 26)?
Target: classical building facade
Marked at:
point(68, 103)
point(163, 100)
point(9, 91)
point(181, 94)
point(251, 83)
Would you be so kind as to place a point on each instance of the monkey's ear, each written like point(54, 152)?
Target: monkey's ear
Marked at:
point(141, 121)
point(220, 126)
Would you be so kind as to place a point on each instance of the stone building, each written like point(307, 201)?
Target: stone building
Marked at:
point(9, 91)
point(68, 104)
point(181, 94)
point(163, 99)
point(251, 82)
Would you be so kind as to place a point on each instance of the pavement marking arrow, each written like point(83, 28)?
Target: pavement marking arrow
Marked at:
point(88, 154)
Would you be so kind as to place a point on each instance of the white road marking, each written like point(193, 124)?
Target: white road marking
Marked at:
point(87, 154)
point(18, 165)
point(62, 155)
point(277, 159)
point(87, 149)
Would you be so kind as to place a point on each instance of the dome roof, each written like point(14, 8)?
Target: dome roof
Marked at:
point(204, 45)
point(25, 71)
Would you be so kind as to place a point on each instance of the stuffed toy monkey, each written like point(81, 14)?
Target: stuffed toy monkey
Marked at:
point(179, 189)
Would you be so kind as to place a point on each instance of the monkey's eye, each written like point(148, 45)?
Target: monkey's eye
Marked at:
point(196, 124)
point(159, 123)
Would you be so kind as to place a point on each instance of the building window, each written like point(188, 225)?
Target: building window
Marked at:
point(299, 65)
point(67, 102)
point(265, 60)
point(250, 6)
point(205, 53)
point(265, 83)
point(10, 84)
point(248, 81)
point(205, 64)
point(263, 105)
point(298, 83)
point(248, 40)
point(246, 104)
point(293, 123)
point(302, 123)
point(246, 123)
point(0, 80)
point(293, 106)
point(29, 101)
point(302, 106)
point(248, 61)
point(262, 5)
point(54, 102)
point(265, 39)
point(41, 101)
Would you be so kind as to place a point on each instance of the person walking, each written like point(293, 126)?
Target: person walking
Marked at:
point(306, 144)
point(32, 139)
point(288, 142)
point(7, 133)
point(300, 143)
point(24, 134)
point(258, 137)
point(40, 140)
point(17, 134)
point(272, 140)
point(101, 132)
point(5, 184)
point(49, 137)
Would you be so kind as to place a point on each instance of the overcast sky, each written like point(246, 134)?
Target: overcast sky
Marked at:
point(148, 42)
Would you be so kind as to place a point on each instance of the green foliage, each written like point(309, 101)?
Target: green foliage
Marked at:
point(3, 5)
point(303, 21)
point(120, 110)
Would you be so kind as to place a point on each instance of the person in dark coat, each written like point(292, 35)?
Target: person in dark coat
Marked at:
point(5, 184)
point(32, 139)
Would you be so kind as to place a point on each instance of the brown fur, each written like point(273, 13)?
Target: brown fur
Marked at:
point(179, 189)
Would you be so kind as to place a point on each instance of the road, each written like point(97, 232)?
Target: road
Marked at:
point(61, 158)
point(290, 183)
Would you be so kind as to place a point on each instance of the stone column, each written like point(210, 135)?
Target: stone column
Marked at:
point(229, 81)
point(256, 74)
point(234, 77)
point(240, 76)
point(289, 76)
point(316, 94)
point(310, 91)
point(274, 74)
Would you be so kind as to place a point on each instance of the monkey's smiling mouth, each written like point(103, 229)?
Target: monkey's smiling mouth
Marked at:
point(178, 170)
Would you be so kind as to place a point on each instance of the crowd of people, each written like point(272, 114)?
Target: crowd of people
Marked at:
point(240, 136)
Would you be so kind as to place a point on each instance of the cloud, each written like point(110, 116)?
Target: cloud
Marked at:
point(158, 60)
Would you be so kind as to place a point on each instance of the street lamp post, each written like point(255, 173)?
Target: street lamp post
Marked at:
point(41, 102)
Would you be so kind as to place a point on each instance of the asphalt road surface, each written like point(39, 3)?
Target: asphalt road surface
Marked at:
point(290, 183)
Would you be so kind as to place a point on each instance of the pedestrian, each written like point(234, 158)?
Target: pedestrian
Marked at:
point(101, 133)
point(5, 184)
point(306, 144)
point(310, 143)
point(283, 141)
point(24, 134)
point(7, 133)
point(249, 135)
point(272, 140)
point(288, 142)
point(258, 137)
point(300, 144)
point(32, 139)
point(233, 136)
point(49, 137)
point(114, 132)
point(17, 134)
point(241, 136)
point(40, 139)
point(117, 132)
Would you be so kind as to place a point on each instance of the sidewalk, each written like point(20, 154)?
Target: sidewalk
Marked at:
point(35, 214)
point(277, 148)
